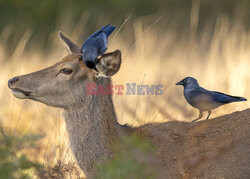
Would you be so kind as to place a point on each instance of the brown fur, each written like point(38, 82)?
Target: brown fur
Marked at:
point(217, 148)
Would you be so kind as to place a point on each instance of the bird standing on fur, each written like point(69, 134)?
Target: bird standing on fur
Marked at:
point(203, 99)
point(96, 45)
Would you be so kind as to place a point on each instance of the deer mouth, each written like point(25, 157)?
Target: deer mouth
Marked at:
point(19, 93)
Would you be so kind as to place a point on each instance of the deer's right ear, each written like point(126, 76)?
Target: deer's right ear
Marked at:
point(71, 46)
point(109, 64)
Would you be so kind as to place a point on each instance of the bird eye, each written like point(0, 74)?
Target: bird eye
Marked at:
point(66, 71)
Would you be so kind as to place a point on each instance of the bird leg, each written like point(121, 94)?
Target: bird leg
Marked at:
point(200, 116)
point(209, 112)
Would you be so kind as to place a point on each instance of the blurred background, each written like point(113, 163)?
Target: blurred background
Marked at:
point(45, 17)
point(162, 41)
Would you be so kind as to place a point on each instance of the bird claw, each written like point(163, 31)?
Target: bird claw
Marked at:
point(194, 120)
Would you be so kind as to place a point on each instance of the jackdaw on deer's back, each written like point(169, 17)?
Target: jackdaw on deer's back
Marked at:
point(203, 99)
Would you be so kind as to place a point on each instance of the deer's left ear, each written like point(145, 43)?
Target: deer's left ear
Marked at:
point(71, 46)
point(109, 63)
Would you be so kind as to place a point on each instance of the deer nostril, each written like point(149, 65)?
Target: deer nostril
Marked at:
point(12, 81)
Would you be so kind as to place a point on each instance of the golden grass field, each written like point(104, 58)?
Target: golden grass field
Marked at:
point(218, 58)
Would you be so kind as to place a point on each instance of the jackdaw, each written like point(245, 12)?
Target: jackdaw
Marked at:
point(203, 99)
point(96, 45)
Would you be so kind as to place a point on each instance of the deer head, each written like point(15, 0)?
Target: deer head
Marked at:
point(64, 83)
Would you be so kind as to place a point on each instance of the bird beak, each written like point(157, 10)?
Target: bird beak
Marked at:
point(90, 65)
point(179, 83)
point(94, 68)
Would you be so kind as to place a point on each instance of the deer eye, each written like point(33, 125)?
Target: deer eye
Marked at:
point(66, 71)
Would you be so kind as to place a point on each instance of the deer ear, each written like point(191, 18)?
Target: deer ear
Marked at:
point(109, 63)
point(71, 46)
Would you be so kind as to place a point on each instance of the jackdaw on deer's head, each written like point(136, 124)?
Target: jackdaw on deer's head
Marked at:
point(96, 45)
point(64, 83)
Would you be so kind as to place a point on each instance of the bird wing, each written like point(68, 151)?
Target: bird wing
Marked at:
point(101, 42)
point(224, 98)
point(202, 99)
point(90, 41)
point(200, 94)
point(104, 32)
point(99, 39)
point(206, 100)
point(108, 29)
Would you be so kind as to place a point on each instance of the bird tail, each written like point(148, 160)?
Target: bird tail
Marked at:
point(225, 98)
point(237, 98)
point(108, 29)
point(241, 98)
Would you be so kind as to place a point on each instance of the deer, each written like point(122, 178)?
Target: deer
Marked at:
point(182, 149)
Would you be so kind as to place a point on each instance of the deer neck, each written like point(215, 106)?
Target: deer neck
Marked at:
point(92, 129)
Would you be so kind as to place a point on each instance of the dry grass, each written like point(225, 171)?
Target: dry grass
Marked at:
point(218, 58)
